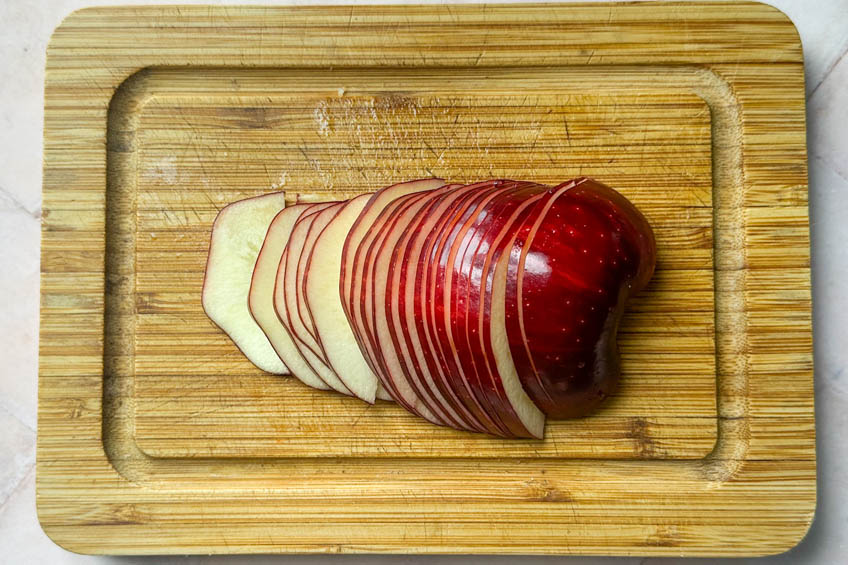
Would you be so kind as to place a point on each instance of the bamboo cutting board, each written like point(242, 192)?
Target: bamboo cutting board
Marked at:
point(157, 436)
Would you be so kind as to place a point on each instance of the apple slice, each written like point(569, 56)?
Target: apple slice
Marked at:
point(380, 297)
point(286, 300)
point(352, 254)
point(372, 290)
point(237, 236)
point(261, 294)
point(519, 402)
point(483, 295)
point(318, 224)
point(323, 274)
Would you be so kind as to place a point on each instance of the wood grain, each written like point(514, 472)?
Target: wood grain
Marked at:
point(694, 111)
point(194, 151)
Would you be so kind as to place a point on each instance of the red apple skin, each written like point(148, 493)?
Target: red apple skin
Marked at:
point(471, 291)
point(572, 269)
point(363, 312)
point(437, 270)
point(384, 305)
point(441, 218)
point(419, 369)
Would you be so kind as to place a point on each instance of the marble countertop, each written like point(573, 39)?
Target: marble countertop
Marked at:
point(25, 28)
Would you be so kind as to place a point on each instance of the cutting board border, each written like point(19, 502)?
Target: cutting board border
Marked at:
point(754, 494)
point(639, 435)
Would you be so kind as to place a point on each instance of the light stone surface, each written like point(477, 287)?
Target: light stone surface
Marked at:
point(25, 27)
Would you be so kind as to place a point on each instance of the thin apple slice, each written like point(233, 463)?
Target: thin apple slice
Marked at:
point(519, 402)
point(384, 290)
point(385, 356)
point(323, 273)
point(318, 224)
point(237, 236)
point(261, 294)
point(286, 300)
point(494, 370)
point(466, 282)
point(382, 393)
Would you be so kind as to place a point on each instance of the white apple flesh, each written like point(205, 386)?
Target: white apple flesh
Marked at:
point(261, 294)
point(325, 305)
point(237, 236)
point(287, 299)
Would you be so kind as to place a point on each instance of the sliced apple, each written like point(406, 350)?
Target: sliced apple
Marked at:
point(352, 254)
point(358, 231)
point(460, 304)
point(323, 276)
point(483, 307)
point(261, 294)
point(362, 311)
point(286, 300)
point(482, 295)
point(372, 292)
point(518, 401)
point(569, 279)
point(381, 293)
point(237, 236)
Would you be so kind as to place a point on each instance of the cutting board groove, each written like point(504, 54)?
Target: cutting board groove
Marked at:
point(707, 449)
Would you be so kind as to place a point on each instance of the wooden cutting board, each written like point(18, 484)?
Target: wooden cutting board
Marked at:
point(157, 436)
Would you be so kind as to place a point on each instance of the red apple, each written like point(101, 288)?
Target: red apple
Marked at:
point(571, 270)
point(482, 307)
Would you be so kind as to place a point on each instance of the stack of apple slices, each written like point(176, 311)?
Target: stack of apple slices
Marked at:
point(483, 307)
